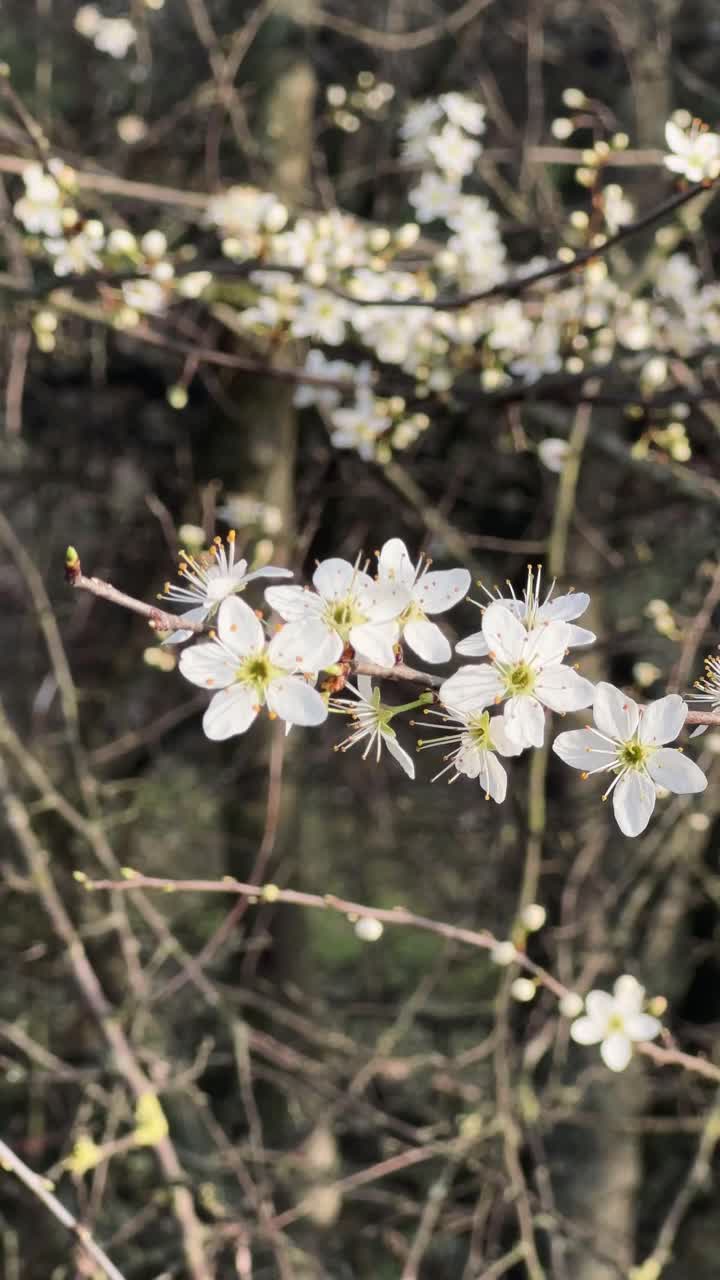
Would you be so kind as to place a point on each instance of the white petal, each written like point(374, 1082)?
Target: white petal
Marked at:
point(500, 740)
point(383, 601)
point(672, 770)
point(615, 714)
point(398, 753)
point(334, 578)
point(662, 721)
point(192, 615)
point(295, 701)
point(562, 689)
point(427, 641)
point(437, 592)
point(633, 802)
point(493, 777)
point(600, 1007)
point(675, 138)
point(207, 665)
point(616, 1051)
point(471, 689)
point(564, 608)
point(579, 635)
point(546, 645)
point(374, 641)
point(586, 1031)
point(239, 628)
point(525, 721)
point(696, 733)
point(629, 995)
point(468, 759)
point(504, 634)
point(305, 646)
point(293, 603)
point(364, 687)
point(230, 712)
point(577, 748)
point(394, 563)
point(270, 571)
point(474, 646)
point(641, 1026)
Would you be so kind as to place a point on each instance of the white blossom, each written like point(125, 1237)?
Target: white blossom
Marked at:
point(453, 152)
point(249, 674)
point(476, 739)
point(525, 670)
point(146, 296)
point(371, 723)
point(629, 742)
point(553, 453)
point(346, 608)
point(207, 581)
point(694, 152)
point(358, 426)
point(433, 197)
point(534, 611)
point(463, 112)
point(616, 1022)
point(430, 593)
point(40, 208)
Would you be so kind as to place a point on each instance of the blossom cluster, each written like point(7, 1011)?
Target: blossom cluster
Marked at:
point(354, 299)
point(483, 713)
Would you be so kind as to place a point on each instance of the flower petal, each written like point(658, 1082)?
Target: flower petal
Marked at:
point(437, 592)
point(207, 665)
point(504, 634)
point(616, 1051)
point(382, 601)
point(471, 689)
point(564, 608)
point(400, 754)
point(562, 689)
point(546, 645)
point(503, 744)
point(579, 636)
point(394, 563)
point(335, 577)
point(474, 646)
point(493, 777)
point(662, 721)
point(641, 1026)
point(600, 1006)
point(585, 1030)
point(269, 571)
point(295, 701)
point(583, 749)
point(305, 646)
point(629, 995)
point(230, 712)
point(671, 769)
point(525, 721)
point(191, 615)
point(239, 627)
point(633, 802)
point(615, 714)
point(374, 641)
point(293, 603)
point(427, 641)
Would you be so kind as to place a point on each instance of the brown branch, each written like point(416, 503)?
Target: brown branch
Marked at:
point(41, 1189)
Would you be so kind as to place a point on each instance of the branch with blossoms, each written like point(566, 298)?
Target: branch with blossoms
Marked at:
point(351, 624)
point(619, 1023)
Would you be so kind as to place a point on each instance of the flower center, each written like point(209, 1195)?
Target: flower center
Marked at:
point(632, 755)
point(479, 732)
point(342, 614)
point(257, 670)
point(519, 679)
point(615, 1024)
